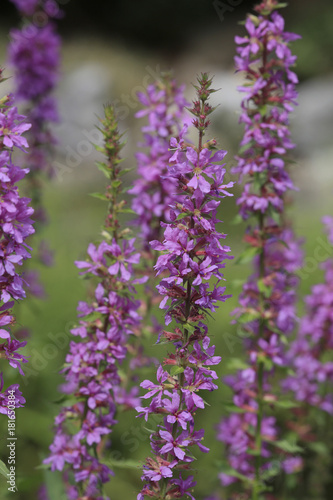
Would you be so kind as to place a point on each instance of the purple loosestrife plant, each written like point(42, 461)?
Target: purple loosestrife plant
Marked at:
point(153, 192)
point(34, 54)
point(311, 378)
point(15, 227)
point(267, 303)
point(91, 367)
point(191, 256)
point(164, 105)
point(314, 340)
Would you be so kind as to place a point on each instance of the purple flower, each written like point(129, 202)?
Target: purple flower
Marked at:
point(174, 414)
point(11, 131)
point(153, 389)
point(174, 445)
point(11, 396)
point(155, 471)
point(9, 351)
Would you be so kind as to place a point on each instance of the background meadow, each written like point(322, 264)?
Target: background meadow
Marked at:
point(110, 51)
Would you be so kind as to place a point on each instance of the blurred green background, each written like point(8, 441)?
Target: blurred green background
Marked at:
point(110, 51)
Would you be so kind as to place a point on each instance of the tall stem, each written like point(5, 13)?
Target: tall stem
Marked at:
point(260, 369)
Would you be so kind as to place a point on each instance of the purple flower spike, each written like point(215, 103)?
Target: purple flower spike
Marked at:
point(190, 255)
point(92, 365)
point(15, 227)
point(34, 55)
point(154, 191)
point(266, 313)
point(312, 375)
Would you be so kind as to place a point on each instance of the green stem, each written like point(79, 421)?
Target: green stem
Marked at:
point(260, 373)
point(257, 486)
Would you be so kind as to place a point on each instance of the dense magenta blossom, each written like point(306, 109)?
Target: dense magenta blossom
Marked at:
point(267, 302)
point(15, 227)
point(191, 254)
point(36, 59)
point(34, 55)
point(312, 373)
point(154, 191)
point(163, 107)
point(13, 390)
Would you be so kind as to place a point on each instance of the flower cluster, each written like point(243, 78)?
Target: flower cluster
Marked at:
point(164, 108)
point(312, 374)
point(34, 54)
point(91, 367)
point(191, 255)
point(154, 191)
point(16, 226)
point(267, 302)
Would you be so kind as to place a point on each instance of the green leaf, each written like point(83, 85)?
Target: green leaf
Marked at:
point(175, 370)
point(103, 168)
point(122, 464)
point(254, 453)
point(275, 216)
point(100, 196)
point(237, 283)
point(126, 211)
point(263, 110)
point(248, 316)
point(319, 448)
point(182, 215)
point(285, 404)
point(267, 362)
point(150, 431)
point(70, 401)
point(233, 408)
point(248, 255)
point(264, 289)
point(244, 148)
point(190, 328)
point(3, 469)
point(284, 243)
point(237, 364)
point(116, 183)
point(124, 171)
point(236, 220)
point(287, 446)
point(232, 472)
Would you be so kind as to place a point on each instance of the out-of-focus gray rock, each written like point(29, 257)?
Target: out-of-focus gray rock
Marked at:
point(312, 123)
point(81, 95)
point(226, 116)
